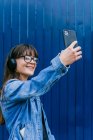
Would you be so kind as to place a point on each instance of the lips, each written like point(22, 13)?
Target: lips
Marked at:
point(30, 67)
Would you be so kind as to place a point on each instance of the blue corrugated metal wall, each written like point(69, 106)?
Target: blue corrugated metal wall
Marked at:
point(40, 22)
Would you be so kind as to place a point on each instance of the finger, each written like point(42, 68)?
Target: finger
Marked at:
point(79, 53)
point(78, 57)
point(77, 49)
point(73, 44)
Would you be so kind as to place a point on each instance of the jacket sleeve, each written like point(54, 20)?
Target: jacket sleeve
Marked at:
point(19, 90)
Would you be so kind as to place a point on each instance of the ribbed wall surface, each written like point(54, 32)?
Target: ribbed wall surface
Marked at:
point(40, 22)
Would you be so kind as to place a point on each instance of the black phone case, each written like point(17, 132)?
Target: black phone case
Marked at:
point(69, 37)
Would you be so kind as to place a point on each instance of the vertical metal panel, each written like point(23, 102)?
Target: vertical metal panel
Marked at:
point(71, 77)
point(15, 22)
point(87, 71)
point(23, 20)
point(68, 105)
point(91, 68)
point(80, 73)
point(6, 27)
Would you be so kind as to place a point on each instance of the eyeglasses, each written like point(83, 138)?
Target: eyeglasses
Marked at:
point(28, 59)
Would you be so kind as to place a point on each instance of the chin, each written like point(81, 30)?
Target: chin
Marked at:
point(31, 73)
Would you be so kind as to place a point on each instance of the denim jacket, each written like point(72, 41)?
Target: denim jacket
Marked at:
point(21, 106)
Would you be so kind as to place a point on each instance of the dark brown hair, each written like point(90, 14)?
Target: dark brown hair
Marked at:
point(16, 52)
point(2, 121)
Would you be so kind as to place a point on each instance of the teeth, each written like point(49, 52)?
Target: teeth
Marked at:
point(30, 67)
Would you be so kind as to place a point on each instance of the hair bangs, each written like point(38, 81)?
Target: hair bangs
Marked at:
point(24, 49)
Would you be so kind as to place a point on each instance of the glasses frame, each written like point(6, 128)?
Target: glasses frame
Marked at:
point(35, 59)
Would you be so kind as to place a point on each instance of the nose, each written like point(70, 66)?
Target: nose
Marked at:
point(33, 62)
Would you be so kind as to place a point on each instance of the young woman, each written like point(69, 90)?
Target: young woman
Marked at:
point(20, 102)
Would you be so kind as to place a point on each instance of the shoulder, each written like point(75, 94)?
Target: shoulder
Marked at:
point(12, 84)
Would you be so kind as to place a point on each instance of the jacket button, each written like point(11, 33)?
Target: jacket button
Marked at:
point(63, 70)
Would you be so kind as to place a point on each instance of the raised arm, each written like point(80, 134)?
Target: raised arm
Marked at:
point(18, 90)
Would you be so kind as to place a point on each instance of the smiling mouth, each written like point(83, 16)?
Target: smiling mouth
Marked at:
point(30, 67)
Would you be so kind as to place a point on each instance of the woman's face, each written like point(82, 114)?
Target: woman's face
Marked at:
point(26, 66)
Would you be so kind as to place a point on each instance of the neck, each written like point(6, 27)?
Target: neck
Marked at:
point(23, 77)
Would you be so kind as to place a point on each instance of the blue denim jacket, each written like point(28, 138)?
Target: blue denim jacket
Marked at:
point(21, 105)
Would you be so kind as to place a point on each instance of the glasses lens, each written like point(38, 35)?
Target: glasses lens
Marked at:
point(27, 58)
point(30, 58)
point(35, 59)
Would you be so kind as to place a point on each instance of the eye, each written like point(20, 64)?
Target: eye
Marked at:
point(27, 58)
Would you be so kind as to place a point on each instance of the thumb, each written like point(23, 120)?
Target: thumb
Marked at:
point(73, 44)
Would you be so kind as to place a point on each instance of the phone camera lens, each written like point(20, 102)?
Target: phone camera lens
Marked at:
point(66, 33)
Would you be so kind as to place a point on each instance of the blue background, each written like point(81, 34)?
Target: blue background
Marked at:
point(69, 104)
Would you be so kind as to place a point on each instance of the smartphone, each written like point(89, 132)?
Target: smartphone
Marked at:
point(69, 36)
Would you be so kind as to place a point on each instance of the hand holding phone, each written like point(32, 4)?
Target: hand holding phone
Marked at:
point(72, 52)
point(69, 37)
